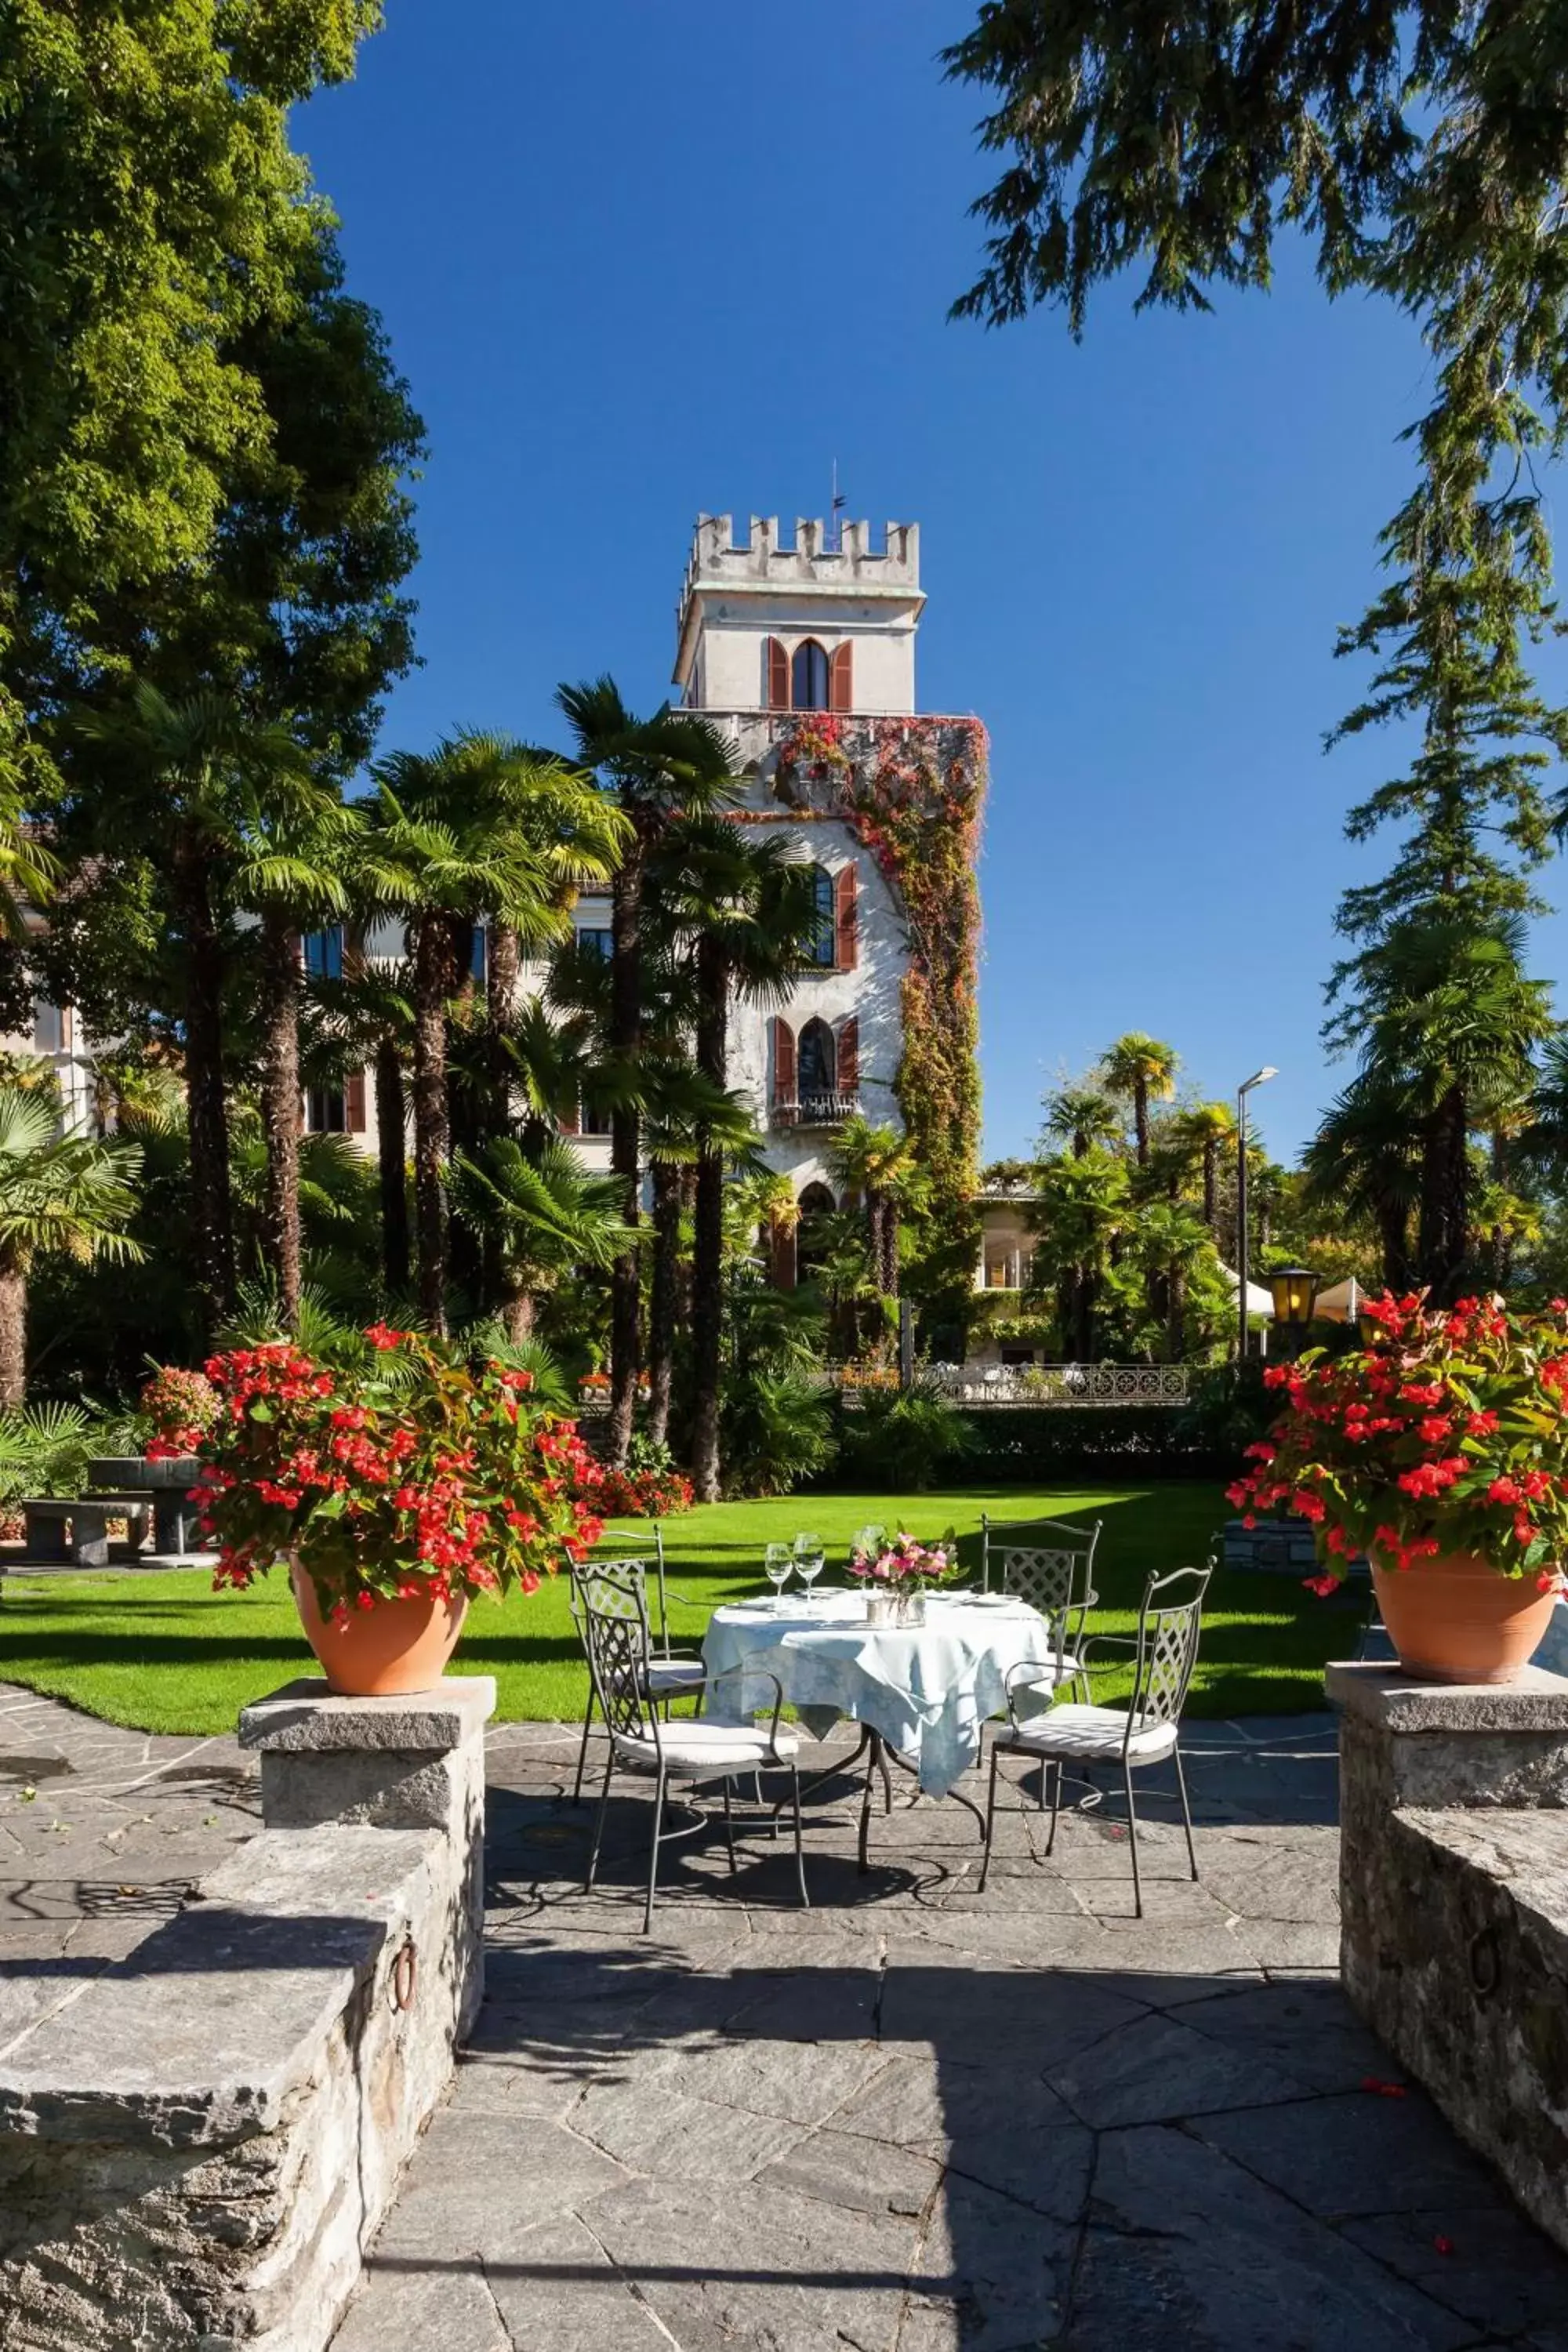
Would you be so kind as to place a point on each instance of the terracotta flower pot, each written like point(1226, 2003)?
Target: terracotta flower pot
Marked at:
point(1456, 1620)
point(381, 1653)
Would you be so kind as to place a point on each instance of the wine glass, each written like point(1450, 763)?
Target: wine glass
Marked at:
point(809, 1559)
point(777, 1562)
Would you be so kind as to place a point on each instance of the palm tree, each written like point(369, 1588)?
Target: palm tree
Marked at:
point(1140, 1070)
point(749, 910)
point(187, 778)
point(1206, 1129)
point(1171, 1244)
point(478, 825)
point(877, 1162)
point(1081, 1116)
point(549, 1215)
point(685, 1115)
point(1454, 1025)
point(657, 769)
point(367, 1015)
point(58, 1194)
point(1082, 1210)
point(291, 874)
point(1365, 1160)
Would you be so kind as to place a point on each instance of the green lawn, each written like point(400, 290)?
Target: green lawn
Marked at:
point(166, 1654)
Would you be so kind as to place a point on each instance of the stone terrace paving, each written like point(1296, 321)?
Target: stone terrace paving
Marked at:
point(910, 2119)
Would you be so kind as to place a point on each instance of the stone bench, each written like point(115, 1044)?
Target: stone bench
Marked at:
point(197, 2142)
point(74, 1531)
point(1454, 1904)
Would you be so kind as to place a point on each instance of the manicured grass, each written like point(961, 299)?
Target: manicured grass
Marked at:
point(166, 1654)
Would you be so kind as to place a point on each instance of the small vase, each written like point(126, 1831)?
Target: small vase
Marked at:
point(909, 1609)
point(383, 1652)
point(881, 1609)
point(1456, 1618)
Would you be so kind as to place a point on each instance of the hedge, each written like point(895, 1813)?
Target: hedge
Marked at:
point(1026, 1444)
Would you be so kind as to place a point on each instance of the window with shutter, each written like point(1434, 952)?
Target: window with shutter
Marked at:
point(353, 1102)
point(846, 918)
point(841, 678)
point(849, 1056)
point(778, 676)
point(808, 677)
point(784, 1062)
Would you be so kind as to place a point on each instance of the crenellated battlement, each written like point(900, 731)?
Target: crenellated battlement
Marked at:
point(763, 560)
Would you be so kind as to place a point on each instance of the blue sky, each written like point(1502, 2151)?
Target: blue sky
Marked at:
point(638, 262)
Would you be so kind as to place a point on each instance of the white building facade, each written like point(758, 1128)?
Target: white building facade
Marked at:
point(804, 654)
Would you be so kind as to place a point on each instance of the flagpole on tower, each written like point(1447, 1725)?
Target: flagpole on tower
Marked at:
point(835, 539)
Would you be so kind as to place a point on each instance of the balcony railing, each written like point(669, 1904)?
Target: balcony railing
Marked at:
point(1031, 1384)
point(830, 1108)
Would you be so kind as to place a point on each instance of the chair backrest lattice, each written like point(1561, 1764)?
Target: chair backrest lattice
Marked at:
point(1168, 1630)
point(1055, 1578)
point(610, 1603)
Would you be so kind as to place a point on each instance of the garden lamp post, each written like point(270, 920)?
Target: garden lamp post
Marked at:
point(1295, 1289)
point(1259, 1078)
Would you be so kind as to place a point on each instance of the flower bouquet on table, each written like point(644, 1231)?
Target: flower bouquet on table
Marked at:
point(1440, 1449)
point(395, 1494)
point(897, 1573)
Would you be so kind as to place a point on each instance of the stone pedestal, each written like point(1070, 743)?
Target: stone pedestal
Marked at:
point(1453, 1902)
point(415, 1762)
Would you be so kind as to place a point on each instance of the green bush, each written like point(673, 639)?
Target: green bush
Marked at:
point(1047, 1445)
point(777, 1431)
point(903, 1437)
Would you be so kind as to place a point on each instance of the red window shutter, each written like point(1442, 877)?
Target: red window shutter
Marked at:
point(841, 678)
point(786, 1268)
point(571, 1120)
point(847, 918)
point(353, 1103)
point(849, 1056)
point(784, 1062)
point(778, 676)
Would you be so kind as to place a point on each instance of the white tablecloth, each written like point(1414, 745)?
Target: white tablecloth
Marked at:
point(928, 1689)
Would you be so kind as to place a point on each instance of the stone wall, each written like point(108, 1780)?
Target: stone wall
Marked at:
point(1454, 1904)
point(196, 2144)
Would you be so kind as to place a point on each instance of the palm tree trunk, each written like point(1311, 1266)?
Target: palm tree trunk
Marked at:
point(663, 1308)
point(1083, 1318)
point(1140, 1121)
point(280, 1110)
point(501, 990)
point(13, 1334)
point(625, 1039)
point(1211, 1183)
point(1443, 1234)
point(707, 1239)
point(1176, 1314)
point(392, 1161)
point(212, 1216)
point(434, 978)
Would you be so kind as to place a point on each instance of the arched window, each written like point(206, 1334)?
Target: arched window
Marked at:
point(823, 948)
point(818, 1065)
point(817, 1201)
point(808, 677)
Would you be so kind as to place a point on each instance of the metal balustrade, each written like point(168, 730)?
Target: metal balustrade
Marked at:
point(1029, 1384)
point(830, 1108)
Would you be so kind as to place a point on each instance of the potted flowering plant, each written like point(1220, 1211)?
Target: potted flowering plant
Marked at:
point(1441, 1450)
point(898, 1572)
point(395, 1495)
point(181, 1407)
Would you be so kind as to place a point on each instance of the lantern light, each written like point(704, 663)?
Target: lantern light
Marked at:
point(1295, 1289)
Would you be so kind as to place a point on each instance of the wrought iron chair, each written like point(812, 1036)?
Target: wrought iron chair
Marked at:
point(1147, 1732)
point(671, 1674)
point(613, 1615)
point(1054, 1577)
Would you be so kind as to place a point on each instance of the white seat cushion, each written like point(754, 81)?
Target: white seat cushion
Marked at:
point(1087, 1732)
point(709, 1747)
point(667, 1677)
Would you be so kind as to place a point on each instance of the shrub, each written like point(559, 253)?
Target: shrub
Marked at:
point(778, 1429)
point(904, 1438)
